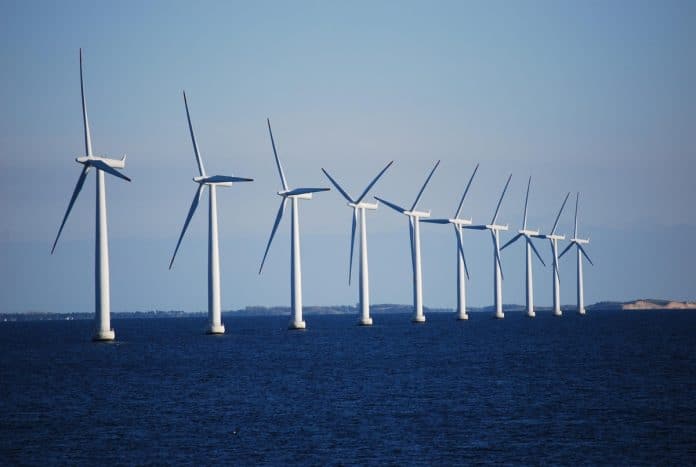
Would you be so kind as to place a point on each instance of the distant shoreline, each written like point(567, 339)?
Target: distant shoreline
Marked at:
point(634, 305)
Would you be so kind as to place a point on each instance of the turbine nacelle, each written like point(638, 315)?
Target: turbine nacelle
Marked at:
point(113, 163)
point(455, 222)
point(528, 233)
point(300, 193)
point(220, 180)
point(580, 241)
point(203, 181)
point(300, 196)
point(496, 227)
point(417, 214)
point(363, 205)
point(460, 222)
point(550, 237)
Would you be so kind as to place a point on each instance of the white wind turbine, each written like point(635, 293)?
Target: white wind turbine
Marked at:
point(578, 242)
point(462, 269)
point(102, 318)
point(215, 325)
point(295, 266)
point(527, 235)
point(359, 207)
point(497, 268)
point(553, 239)
point(414, 218)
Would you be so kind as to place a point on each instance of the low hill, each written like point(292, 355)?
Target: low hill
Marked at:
point(645, 304)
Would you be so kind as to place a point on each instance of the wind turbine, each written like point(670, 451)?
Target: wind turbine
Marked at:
point(295, 267)
point(414, 218)
point(527, 235)
point(462, 269)
point(497, 268)
point(215, 325)
point(553, 239)
point(102, 316)
point(359, 208)
point(578, 242)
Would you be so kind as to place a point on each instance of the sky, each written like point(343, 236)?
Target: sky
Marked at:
point(595, 97)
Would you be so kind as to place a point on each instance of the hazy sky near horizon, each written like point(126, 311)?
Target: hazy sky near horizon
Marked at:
point(594, 97)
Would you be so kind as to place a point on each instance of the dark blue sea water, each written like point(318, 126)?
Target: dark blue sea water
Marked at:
point(609, 388)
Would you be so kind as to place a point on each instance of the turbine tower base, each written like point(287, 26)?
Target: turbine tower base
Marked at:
point(297, 325)
point(418, 319)
point(104, 336)
point(365, 321)
point(531, 314)
point(216, 329)
point(499, 315)
point(557, 313)
point(582, 311)
point(462, 316)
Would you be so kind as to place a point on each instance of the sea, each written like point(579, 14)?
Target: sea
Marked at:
point(609, 388)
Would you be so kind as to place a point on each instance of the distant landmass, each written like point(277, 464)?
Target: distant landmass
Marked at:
point(645, 304)
point(640, 304)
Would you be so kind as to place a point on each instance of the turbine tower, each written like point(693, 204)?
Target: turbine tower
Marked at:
point(294, 195)
point(462, 269)
point(215, 325)
point(527, 235)
point(578, 242)
point(414, 218)
point(553, 239)
point(102, 315)
point(359, 208)
point(497, 268)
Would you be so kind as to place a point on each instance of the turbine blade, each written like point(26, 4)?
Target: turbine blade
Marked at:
point(513, 240)
point(338, 187)
point(275, 153)
point(189, 216)
point(555, 261)
point(85, 120)
point(584, 253)
point(304, 191)
point(420, 193)
point(201, 169)
point(227, 178)
point(560, 211)
point(413, 244)
point(526, 200)
point(279, 216)
point(502, 195)
point(76, 192)
point(531, 243)
point(466, 190)
point(460, 249)
point(372, 183)
point(565, 250)
point(436, 221)
point(101, 165)
point(496, 252)
point(352, 243)
point(575, 230)
point(391, 205)
point(466, 268)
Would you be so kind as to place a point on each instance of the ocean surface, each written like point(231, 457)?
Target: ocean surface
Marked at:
point(607, 388)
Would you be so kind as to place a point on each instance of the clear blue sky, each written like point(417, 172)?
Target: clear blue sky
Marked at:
point(595, 97)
